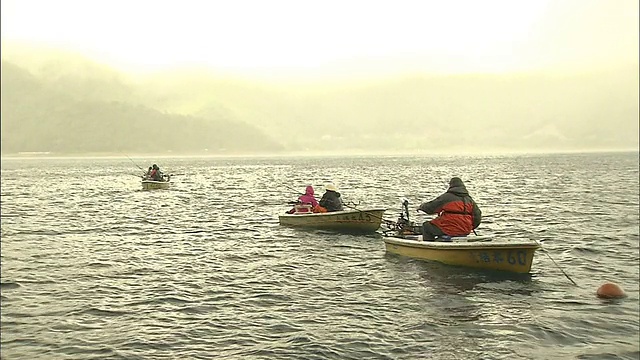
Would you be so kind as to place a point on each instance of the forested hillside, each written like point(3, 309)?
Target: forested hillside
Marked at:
point(79, 113)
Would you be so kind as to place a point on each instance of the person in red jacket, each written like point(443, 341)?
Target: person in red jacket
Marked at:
point(458, 214)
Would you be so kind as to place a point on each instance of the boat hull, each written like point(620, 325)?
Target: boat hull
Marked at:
point(511, 256)
point(365, 220)
point(153, 185)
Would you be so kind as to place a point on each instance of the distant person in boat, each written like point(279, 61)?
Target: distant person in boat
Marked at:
point(331, 199)
point(156, 174)
point(148, 174)
point(307, 202)
point(153, 172)
point(458, 214)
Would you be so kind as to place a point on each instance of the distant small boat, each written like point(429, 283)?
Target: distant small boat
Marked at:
point(480, 252)
point(360, 221)
point(148, 184)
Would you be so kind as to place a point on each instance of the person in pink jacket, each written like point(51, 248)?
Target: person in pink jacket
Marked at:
point(306, 202)
point(308, 197)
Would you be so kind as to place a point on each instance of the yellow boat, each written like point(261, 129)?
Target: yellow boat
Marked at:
point(361, 221)
point(481, 252)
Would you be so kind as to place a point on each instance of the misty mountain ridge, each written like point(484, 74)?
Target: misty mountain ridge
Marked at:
point(84, 104)
point(76, 114)
point(420, 112)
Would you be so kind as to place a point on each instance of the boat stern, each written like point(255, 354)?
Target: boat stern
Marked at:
point(508, 256)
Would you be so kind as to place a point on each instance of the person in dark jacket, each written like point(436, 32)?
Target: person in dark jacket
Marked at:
point(331, 199)
point(458, 214)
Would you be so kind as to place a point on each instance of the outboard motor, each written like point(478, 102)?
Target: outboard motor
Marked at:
point(403, 226)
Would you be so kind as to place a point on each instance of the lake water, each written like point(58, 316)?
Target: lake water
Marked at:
point(93, 267)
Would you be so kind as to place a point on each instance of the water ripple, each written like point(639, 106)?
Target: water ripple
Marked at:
point(101, 269)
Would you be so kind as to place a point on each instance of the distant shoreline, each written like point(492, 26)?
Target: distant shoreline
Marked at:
point(53, 155)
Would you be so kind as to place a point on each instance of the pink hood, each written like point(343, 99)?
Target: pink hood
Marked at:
point(308, 197)
point(309, 190)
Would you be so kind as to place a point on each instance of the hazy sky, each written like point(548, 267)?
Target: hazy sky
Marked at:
point(257, 35)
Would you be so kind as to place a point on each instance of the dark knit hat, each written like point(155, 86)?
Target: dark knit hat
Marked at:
point(455, 181)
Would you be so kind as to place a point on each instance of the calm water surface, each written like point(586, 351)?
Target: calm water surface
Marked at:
point(93, 267)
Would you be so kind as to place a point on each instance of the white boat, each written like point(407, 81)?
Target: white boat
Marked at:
point(148, 184)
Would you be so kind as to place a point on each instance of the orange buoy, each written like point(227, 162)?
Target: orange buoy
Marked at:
point(610, 291)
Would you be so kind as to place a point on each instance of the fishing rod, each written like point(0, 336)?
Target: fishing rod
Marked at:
point(143, 170)
point(292, 189)
point(297, 192)
point(555, 263)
